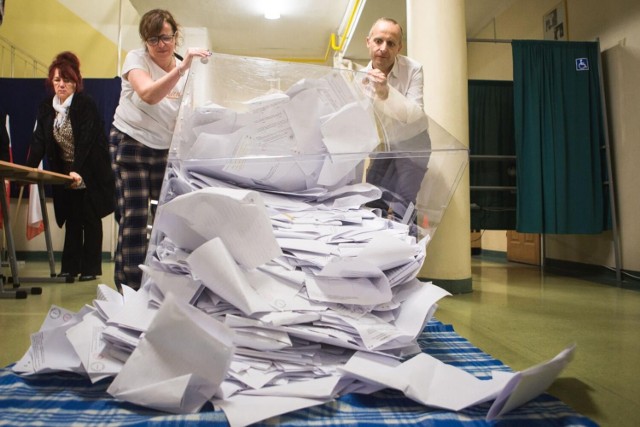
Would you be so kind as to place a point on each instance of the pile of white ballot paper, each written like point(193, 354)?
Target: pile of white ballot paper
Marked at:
point(269, 286)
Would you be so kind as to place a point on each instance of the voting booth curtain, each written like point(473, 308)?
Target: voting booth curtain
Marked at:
point(491, 144)
point(559, 135)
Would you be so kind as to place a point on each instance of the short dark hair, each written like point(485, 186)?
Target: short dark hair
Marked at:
point(68, 66)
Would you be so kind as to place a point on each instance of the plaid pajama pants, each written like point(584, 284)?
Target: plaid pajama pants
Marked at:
point(139, 171)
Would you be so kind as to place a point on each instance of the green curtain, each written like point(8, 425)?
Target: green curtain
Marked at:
point(559, 138)
point(491, 132)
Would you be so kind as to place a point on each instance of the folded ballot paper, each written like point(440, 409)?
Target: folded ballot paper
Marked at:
point(179, 363)
point(279, 275)
point(434, 383)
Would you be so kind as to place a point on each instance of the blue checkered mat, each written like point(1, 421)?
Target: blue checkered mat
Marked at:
point(67, 399)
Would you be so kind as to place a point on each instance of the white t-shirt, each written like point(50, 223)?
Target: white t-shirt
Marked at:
point(151, 125)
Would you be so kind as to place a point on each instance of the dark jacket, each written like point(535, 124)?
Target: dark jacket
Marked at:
point(91, 154)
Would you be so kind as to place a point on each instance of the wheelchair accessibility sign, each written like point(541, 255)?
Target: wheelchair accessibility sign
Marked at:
point(582, 64)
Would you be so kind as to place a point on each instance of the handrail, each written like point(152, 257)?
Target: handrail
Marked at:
point(29, 62)
point(346, 30)
point(504, 157)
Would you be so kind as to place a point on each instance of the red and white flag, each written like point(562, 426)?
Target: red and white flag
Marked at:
point(35, 223)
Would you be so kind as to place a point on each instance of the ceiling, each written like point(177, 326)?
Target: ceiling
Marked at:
point(304, 30)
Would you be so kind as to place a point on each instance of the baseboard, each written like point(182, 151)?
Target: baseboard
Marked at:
point(44, 256)
point(590, 272)
point(492, 255)
point(593, 273)
point(461, 286)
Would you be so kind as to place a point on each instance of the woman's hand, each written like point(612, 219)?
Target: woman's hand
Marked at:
point(193, 52)
point(78, 182)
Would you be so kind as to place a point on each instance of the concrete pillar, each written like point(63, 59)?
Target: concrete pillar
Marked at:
point(436, 37)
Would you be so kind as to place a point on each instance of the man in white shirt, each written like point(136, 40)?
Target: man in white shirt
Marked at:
point(399, 178)
point(388, 67)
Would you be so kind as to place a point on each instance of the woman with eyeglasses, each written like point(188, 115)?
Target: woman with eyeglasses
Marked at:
point(153, 79)
point(70, 133)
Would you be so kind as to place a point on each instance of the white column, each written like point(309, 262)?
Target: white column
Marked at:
point(436, 37)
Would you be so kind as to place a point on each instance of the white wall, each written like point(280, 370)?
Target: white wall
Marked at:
point(616, 24)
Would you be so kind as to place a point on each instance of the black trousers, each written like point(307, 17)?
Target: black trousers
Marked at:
point(82, 252)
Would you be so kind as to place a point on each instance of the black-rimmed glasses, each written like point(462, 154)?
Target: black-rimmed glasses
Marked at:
point(165, 38)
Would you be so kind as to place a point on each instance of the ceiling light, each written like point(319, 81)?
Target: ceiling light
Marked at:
point(272, 10)
point(272, 14)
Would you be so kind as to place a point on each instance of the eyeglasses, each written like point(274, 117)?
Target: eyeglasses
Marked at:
point(165, 38)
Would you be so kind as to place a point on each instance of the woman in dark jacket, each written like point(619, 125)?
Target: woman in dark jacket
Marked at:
point(70, 133)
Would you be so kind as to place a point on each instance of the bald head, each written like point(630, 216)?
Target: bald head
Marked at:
point(384, 43)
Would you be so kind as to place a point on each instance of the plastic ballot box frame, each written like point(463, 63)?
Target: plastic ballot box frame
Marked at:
point(289, 127)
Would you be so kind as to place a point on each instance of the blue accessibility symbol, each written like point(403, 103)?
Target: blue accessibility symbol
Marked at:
point(582, 64)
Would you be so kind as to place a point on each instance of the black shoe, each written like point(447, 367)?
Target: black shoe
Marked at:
point(66, 275)
point(87, 277)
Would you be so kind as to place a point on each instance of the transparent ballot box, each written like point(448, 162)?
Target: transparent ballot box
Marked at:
point(328, 159)
point(295, 213)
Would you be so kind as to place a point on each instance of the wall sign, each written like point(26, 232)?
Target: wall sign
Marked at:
point(554, 23)
point(582, 64)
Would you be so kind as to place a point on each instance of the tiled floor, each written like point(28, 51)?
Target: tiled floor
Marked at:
point(515, 313)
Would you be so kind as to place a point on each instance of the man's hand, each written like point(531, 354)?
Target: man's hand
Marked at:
point(378, 81)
